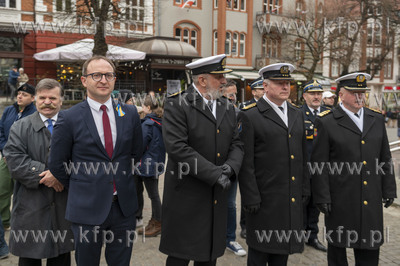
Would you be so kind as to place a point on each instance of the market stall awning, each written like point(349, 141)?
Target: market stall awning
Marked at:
point(82, 50)
point(164, 47)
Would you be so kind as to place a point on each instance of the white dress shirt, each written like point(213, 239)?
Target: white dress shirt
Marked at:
point(214, 106)
point(283, 115)
point(359, 121)
point(98, 118)
point(44, 119)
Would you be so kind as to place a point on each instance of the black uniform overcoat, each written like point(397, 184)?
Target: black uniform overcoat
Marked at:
point(194, 209)
point(273, 174)
point(355, 174)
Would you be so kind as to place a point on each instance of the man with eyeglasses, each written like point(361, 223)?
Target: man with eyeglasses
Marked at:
point(102, 133)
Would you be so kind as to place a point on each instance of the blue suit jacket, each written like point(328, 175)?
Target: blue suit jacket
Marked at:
point(80, 162)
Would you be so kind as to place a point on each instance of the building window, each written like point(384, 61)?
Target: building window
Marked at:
point(228, 43)
point(243, 5)
point(271, 6)
point(215, 3)
point(8, 3)
point(388, 69)
point(187, 33)
point(134, 10)
point(242, 44)
point(335, 68)
point(297, 51)
point(234, 44)
point(180, 2)
point(270, 47)
point(193, 38)
point(215, 37)
point(235, 41)
point(63, 5)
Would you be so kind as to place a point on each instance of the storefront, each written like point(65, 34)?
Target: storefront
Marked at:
point(165, 61)
point(11, 54)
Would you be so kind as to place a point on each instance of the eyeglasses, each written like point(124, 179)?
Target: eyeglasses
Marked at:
point(97, 76)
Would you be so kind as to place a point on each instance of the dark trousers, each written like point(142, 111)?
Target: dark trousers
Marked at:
point(242, 217)
point(173, 261)
point(310, 218)
point(363, 257)
point(151, 184)
point(61, 260)
point(118, 233)
point(259, 258)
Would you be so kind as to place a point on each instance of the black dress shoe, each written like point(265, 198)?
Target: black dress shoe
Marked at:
point(316, 244)
point(243, 233)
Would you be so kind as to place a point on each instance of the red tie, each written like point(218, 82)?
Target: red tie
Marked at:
point(108, 142)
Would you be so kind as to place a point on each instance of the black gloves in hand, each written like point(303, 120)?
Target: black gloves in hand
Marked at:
point(224, 182)
point(325, 208)
point(387, 202)
point(227, 170)
point(253, 209)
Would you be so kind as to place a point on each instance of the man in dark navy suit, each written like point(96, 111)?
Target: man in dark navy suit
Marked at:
point(93, 148)
point(312, 94)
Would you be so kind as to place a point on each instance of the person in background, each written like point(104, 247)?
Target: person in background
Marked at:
point(230, 91)
point(21, 108)
point(152, 165)
point(257, 90)
point(23, 77)
point(329, 99)
point(39, 200)
point(312, 94)
point(13, 75)
point(4, 250)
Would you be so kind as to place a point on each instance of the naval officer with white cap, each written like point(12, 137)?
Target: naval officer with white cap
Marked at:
point(273, 179)
point(351, 198)
point(204, 155)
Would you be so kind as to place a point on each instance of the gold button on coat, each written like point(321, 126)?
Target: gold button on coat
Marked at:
point(362, 142)
point(293, 178)
point(365, 202)
point(217, 131)
point(365, 182)
point(364, 162)
point(292, 156)
point(293, 200)
point(215, 201)
point(218, 155)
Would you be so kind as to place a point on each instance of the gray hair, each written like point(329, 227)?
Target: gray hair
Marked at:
point(49, 84)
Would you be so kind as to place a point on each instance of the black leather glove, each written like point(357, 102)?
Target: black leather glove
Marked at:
point(253, 209)
point(325, 208)
point(224, 182)
point(227, 170)
point(387, 202)
point(306, 200)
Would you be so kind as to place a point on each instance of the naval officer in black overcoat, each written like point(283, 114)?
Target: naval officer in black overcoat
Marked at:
point(204, 153)
point(312, 94)
point(273, 180)
point(355, 174)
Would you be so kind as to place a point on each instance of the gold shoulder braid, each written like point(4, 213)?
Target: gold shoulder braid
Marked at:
point(294, 105)
point(247, 107)
point(324, 113)
point(375, 110)
point(176, 93)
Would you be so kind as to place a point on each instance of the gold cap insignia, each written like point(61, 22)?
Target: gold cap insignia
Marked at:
point(360, 78)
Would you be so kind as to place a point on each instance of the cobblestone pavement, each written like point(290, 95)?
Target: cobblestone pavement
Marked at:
point(146, 253)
